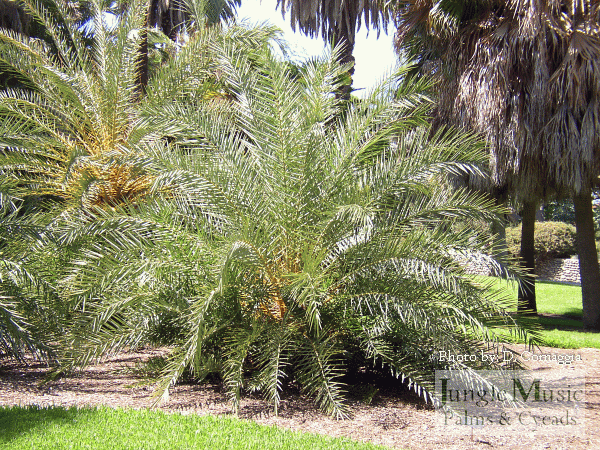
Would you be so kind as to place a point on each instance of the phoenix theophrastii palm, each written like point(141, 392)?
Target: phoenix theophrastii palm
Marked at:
point(291, 235)
point(67, 128)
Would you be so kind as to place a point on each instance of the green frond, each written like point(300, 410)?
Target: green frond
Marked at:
point(238, 343)
point(273, 361)
point(319, 368)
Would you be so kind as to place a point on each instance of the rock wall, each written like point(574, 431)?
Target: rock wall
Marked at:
point(564, 270)
point(475, 267)
point(559, 270)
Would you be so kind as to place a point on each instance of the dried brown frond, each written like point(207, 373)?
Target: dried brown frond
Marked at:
point(526, 75)
point(116, 184)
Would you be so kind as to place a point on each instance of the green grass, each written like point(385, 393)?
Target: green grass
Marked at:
point(552, 298)
point(569, 339)
point(561, 299)
point(565, 331)
point(104, 428)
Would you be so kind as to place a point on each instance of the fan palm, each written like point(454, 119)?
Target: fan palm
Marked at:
point(526, 76)
point(337, 22)
point(291, 237)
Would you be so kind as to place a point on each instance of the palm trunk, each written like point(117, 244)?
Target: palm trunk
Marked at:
point(526, 302)
point(346, 37)
point(10, 19)
point(499, 232)
point(588, 260)
point(142, 58)
point(142, 75)
point(11, 16)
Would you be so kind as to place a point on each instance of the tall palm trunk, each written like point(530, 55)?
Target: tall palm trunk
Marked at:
point(142, 66)
point(11, 16)
point(526, 302)
point(345, 37)
point(499, 232)
point(588, 260)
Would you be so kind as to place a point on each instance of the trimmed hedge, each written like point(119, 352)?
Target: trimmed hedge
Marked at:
point(552, 240)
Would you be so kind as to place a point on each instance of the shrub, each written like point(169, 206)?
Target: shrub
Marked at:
point(552, 240)
point(564, 211)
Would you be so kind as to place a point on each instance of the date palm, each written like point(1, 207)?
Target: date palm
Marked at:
point(526, 76)
point(69, 135)
point(287, 238)
point(26, 306)
point(66, 132)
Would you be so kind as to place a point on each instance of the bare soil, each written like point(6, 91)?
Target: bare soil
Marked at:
point(389, 420)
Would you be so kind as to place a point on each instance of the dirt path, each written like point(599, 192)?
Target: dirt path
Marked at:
point(388, 421)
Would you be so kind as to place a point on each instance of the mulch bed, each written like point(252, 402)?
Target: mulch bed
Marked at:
point(390, 420)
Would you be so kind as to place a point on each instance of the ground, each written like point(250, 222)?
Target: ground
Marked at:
point(388, 421)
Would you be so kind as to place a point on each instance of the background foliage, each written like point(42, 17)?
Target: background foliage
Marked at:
point(552, 240)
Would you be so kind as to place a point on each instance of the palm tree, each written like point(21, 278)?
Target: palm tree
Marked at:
point(25, 307)
point(526, 76)
point(68, 137)
point(337, 22)
point(285, 237)
point(67, 133)
point(174, 18)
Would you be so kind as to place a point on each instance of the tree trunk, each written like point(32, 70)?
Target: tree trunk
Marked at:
point(588, 260)
point(345, 36)
point(526, 302)
point(142, 66)
point(499, 232)
point(11, 16)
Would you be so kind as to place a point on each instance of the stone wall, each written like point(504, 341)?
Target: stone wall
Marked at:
point(559, 270)
point(564, 270)
point(476, 267)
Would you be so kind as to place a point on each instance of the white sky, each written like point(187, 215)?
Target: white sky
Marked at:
point(374, 57)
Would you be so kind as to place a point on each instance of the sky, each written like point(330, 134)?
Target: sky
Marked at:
point(374, 57)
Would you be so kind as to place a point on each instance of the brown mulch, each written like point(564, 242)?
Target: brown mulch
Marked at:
point(389, 420)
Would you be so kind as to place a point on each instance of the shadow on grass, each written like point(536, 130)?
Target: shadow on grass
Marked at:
point(16, 420)
point(573, 313)
point(551, 322)
point(544, 321)
point(565, 322)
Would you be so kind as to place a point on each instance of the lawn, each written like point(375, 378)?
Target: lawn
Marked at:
point(105, 428)
point(563, 301)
